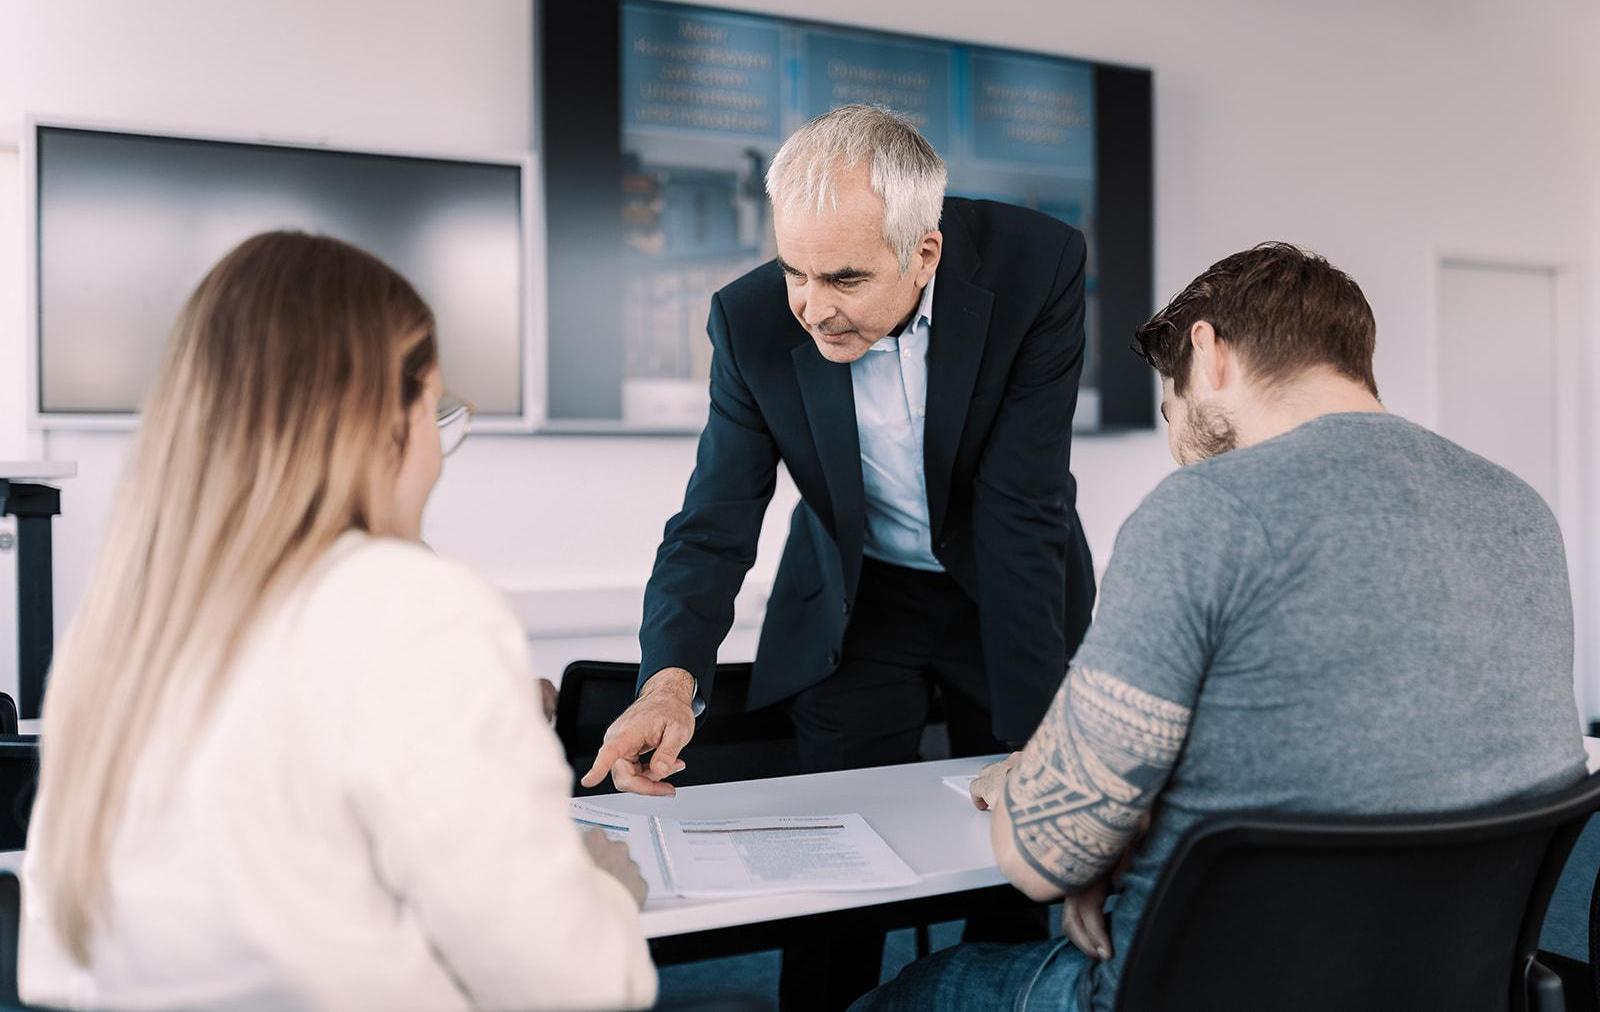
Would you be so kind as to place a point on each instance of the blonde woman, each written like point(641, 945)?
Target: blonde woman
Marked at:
point(292, 759)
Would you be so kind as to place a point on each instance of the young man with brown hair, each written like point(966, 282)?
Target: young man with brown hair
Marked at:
point(1329, 609)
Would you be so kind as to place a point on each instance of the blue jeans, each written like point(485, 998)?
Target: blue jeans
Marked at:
point(1016, 978)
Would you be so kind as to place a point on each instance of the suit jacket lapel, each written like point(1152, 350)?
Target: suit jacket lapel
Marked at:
point(829, 398)
point(955, 351)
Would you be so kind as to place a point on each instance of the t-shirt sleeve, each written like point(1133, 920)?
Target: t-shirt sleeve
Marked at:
point(1186, 564)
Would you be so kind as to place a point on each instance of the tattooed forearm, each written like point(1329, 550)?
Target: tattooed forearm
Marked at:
point(1089, 773)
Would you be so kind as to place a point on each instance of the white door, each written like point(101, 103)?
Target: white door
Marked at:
point(1508, 390)
point(1498, 392)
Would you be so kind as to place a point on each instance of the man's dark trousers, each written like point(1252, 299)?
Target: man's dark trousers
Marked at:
point(913, 633)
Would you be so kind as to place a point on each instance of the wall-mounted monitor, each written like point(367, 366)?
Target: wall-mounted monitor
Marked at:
point(125, 224)
point(658, 123)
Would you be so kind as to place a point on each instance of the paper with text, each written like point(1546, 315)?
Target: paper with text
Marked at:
point(786, 853)
point(706, 858)
point(634, 830)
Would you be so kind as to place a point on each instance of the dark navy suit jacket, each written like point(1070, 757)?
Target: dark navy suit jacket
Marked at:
point(1004, 359)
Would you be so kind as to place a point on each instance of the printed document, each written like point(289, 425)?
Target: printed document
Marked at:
point(705, 858)
point(634, 830)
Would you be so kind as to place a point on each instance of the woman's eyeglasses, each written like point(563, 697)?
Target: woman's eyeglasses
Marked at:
point(454, 419)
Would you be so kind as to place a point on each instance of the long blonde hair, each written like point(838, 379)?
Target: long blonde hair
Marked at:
point(273, 425)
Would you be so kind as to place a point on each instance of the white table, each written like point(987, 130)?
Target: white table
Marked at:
point(933, 829)
point(941, 836)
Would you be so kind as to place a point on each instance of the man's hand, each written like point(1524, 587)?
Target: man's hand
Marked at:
point(548, 696)
point(1083, 919)
point(1083, 915)
point(612, 857)
point(660, 720)
point(988, 788)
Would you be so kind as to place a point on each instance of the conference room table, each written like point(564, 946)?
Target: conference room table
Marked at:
point(935, 830)
point(930, 826)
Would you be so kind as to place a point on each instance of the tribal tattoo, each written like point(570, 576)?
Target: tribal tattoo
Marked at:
point(1089, 773)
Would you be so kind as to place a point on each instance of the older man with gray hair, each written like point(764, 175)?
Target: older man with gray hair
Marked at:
point(913, 359)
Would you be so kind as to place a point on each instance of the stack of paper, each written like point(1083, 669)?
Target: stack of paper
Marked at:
point(962, 785)
point(705, 858)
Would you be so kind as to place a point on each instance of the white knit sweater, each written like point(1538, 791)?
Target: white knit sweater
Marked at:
point(373, 818)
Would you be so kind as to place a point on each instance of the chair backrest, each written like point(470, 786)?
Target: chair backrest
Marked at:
point(1339, 913)
point(1594, 942)
point(10, 931)
point(19, 783)
point(730, 743)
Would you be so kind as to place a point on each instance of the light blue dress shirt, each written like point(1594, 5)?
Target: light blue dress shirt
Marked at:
point(891, 395)
point(890, 383)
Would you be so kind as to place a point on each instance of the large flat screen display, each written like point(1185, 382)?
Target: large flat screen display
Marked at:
point(660, 120)
point(126, 224)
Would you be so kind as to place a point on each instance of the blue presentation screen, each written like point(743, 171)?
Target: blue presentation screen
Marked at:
point(705, 97)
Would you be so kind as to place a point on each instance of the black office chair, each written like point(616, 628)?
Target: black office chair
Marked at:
point(1580, 980)
point(1580, 983)
point(730, 743)
point(10, 928)
point(19, 783)
point(1395, 912)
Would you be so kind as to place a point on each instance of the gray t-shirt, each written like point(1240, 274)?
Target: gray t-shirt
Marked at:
point(1363, 618)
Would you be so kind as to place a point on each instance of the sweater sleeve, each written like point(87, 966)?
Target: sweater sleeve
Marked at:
point(461, 787)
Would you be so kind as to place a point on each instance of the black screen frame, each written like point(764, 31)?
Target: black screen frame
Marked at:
point(581, 111)
point(528, 412)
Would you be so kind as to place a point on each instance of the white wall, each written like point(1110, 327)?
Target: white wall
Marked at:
point(1385, 134)
point(13, 380)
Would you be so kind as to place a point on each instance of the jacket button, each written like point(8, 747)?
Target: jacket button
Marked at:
point(833, 658)
point(846, 603)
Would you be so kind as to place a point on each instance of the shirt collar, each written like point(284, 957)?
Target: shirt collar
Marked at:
point(925, 307)
point(923, 315)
